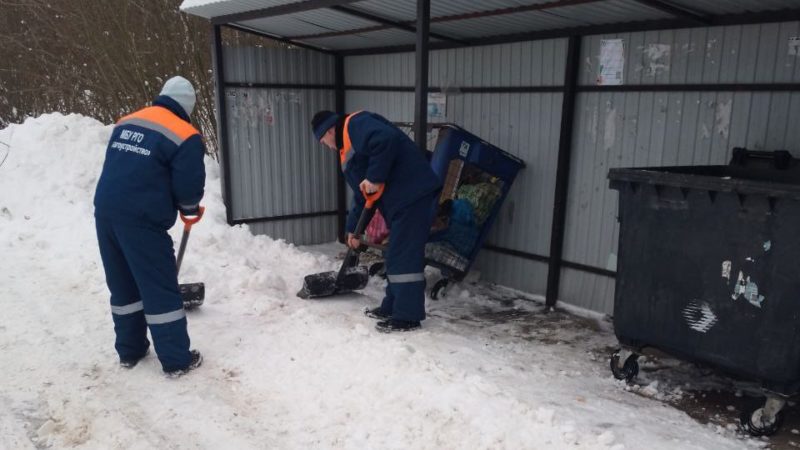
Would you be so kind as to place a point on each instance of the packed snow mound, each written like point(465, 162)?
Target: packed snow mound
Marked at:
point(52, 169)
point(279, 372)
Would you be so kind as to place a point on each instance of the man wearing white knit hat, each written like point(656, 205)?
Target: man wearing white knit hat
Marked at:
point(153, 169)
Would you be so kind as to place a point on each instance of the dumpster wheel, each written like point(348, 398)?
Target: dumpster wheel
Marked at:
point(753, 420)
point(629, 369)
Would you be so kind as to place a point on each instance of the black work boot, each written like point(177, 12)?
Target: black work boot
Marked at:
point(196, 361)
point(131, 363)
point(392, 325)
point(377, 313)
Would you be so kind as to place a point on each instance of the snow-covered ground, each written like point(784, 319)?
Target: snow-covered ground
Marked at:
point(279, 372)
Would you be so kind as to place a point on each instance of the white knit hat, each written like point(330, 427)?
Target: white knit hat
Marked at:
point(180, 90)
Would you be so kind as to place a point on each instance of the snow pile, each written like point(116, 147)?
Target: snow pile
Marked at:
point(280, 372)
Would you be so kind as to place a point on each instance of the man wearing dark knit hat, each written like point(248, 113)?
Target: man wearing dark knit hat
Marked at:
point(374, 153)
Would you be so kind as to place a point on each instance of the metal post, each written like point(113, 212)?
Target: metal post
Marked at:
point(341, 192)
point(421, 93)
point(222, 120)
point(562, 170)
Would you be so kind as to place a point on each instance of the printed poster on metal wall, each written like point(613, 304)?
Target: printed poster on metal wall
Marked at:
point(612, 62)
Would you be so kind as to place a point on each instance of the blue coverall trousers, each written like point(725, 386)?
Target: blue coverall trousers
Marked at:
point(141, 274)
point(405, 261)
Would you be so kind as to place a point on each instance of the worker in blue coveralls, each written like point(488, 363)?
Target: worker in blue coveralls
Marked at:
point(153, 168)
point(375, 153)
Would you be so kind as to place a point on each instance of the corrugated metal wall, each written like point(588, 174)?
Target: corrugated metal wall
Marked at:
point(612, 129)
point(525, 124)
point(537, 63)
point(627, 129)
point(277, 169)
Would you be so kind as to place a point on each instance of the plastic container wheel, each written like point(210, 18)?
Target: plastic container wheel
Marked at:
point(629, 369)
point(439, 290)
point(751, 416)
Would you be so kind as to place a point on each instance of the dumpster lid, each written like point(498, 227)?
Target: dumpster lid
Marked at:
point(740, 180)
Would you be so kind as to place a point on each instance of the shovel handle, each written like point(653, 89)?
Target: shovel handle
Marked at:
point(189, 221)
point(351, 259)
point(366, 214)
point(374, 197)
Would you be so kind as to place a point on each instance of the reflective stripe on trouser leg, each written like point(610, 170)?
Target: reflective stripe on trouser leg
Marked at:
point(130, 308)
point(158, 319)
point(152, 261)
point(388, 301)
point(130, 329)
point(405, 260)
point(406, 277)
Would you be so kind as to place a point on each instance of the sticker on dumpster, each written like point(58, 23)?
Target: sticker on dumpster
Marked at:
point(700, 317)
point(747, 289)
point(464, 149)
point(726, 270)
point(794, 46)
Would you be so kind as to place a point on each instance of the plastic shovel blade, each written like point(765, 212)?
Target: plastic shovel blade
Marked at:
point(325, 284)
point(192, 294)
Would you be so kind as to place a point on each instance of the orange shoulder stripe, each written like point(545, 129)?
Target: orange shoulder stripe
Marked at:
point(163, 120)
point(347, 146)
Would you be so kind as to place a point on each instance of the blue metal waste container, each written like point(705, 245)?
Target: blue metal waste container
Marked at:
point(457, 155)
point(458, 152)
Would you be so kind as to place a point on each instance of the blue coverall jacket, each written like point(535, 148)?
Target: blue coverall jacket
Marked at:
point(372, 148)
point(380, 152)
point(153, 168)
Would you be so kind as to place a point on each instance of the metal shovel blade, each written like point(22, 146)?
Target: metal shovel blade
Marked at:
point(192, 294)
point(325, 284)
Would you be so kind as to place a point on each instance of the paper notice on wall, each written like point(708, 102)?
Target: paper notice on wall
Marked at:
point(437, 106)
point(794, 45)
point(612, 62)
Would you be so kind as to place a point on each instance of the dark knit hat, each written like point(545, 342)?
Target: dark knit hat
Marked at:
point(322, 122)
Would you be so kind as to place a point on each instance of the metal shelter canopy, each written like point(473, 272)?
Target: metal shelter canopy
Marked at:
point(379, 26)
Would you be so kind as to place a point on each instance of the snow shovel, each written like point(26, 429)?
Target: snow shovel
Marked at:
point(192, 294)
point(351, 277)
